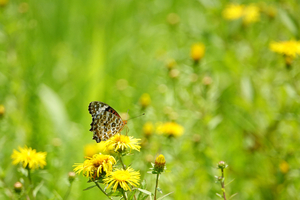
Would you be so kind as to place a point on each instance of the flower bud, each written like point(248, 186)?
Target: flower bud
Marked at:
point(170, 64)
point(2, 110)
point(160, 163)
point(72, 176)
point(288, 61)
point(222, 165)
point(207, 80)
point(18, 187)
point(284, 167)
point(148, 129)
point(145, 100)
point(197, 52)
point(220, 178)
point(173, 19)
point(174, 73)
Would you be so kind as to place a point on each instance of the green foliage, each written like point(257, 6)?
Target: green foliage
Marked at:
point(238, 104)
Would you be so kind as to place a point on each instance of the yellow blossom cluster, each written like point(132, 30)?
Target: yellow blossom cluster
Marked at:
point(170, 129)
point(249, 13)
point(100, 165)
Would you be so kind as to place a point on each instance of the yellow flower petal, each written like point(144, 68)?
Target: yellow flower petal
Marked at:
point(28, 157)
point(288, 48)
point(121, 142)
point(122, 178)
point(95, 166)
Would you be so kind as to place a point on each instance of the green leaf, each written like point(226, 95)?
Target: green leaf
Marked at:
point(146, 192)
point(143, 184)
point(37, 188)
point(89, 187)
point(288, 21)
point(145, 197)
point(247, 89)
point(219, 195)
point(131, 195)
point(23, 171)
point(230, 182)
point(117, 193)
point(164, 196)
point(233, 195)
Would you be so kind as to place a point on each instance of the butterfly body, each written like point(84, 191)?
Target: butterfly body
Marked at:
point(106, 122)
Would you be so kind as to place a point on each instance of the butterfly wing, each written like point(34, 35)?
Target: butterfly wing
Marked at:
point(106, 122)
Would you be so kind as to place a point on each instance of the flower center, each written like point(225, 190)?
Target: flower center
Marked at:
point(122, 176)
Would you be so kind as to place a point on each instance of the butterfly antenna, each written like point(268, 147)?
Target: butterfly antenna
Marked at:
point(137, 116)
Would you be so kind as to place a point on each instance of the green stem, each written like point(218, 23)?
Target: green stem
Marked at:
point(102, 190)
point(124, 167)
point(68, 192)
point(30, 184)
point(222, 184)
point(124, 195)
point(29, 177)
point(156, 186)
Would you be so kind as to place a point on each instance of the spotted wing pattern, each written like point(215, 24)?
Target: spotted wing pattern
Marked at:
point(106, 121)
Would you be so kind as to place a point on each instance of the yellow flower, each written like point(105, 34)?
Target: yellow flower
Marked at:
point(251, 14)
point(122, 142)
point(2, 110)
point(122, 178)
point(197, 51)
point(145, 100)
point(233, 11)
point(29, 158)
point(170, 129)
point(95, 166)
point(148, 128)
point(284, 167)
point(288, 48)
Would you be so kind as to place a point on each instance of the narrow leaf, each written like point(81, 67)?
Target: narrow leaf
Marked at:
point(164, 196)
point(37, 188)
point(146, 192)
point(89, 187)
point(130, 197)
point(233, 195)
point(230, 182)
point(219, 195)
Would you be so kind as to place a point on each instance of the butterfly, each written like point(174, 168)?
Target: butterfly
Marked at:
point(106, 121)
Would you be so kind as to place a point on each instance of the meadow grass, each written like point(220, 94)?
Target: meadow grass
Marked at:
point(238, 104)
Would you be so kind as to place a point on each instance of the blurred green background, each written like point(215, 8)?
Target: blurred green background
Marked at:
point(238, 104)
